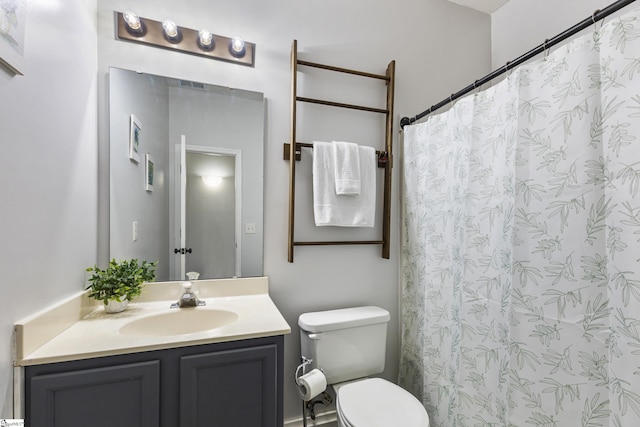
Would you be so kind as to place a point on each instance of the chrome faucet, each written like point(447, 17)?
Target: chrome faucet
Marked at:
point(188, 298)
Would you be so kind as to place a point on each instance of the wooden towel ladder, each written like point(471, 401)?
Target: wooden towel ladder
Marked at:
point(293, 150)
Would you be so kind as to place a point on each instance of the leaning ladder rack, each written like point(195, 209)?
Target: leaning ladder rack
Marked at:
point(293, 150)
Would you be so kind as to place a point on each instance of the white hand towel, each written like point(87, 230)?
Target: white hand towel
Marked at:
point(346, 158)
point(344, 211)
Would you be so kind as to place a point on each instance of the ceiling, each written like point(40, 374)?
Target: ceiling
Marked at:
point(487, 6)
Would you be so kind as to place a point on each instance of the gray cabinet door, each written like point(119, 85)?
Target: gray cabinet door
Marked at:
point(122, 395)
point(236, 387)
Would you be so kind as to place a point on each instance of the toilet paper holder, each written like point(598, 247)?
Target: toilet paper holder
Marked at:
point(309, 406)
point(303, 367)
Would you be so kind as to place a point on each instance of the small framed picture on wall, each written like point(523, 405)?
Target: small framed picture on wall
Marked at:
point(134, 138)
point(148, 172)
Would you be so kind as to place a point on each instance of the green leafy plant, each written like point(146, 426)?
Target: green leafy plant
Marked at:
point(121, 279)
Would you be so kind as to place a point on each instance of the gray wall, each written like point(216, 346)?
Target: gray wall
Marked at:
point(55, 210)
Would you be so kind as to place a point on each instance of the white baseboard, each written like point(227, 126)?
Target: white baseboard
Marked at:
point(325, 419)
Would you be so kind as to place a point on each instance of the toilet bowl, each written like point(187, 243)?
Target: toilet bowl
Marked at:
point(375, 402)
point(348, 346)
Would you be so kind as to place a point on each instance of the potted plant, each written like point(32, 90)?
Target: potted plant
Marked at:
point(120, 282)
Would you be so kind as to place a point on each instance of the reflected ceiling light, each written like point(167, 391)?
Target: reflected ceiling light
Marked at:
point(133, 21)
point(205, 39)
point(236, 47)
point(212, 180)
point(170, 30)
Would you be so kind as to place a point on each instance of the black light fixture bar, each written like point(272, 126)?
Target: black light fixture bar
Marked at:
point(152, 34)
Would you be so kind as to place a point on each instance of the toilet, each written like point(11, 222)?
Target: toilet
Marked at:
point(349, 345)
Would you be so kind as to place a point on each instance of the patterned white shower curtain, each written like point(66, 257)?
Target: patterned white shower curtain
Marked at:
point(521, 252)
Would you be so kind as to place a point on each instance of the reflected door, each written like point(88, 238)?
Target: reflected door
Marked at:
point(211, 214)
point(207, 212)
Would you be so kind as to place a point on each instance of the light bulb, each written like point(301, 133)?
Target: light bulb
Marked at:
point(205, 38)
point(132, 20)
point(170, 28)
point(133, 23)
point(236, 47)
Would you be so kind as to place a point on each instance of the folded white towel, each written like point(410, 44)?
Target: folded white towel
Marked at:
point(346, 159)
point(344, 211)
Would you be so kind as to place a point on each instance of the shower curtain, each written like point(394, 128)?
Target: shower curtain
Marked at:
point(521, 244)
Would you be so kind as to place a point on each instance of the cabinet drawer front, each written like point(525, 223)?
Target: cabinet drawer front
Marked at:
point(229, 388)
point(122, 395)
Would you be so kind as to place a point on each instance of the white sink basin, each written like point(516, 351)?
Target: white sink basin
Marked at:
point(180, 321)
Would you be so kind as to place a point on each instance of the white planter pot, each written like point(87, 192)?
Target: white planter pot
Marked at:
point(114, 306)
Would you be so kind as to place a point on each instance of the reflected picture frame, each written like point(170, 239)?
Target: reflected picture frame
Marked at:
point(135, 135)
point(149, 172)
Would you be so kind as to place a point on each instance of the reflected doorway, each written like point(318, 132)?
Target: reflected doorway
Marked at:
point(208, 218)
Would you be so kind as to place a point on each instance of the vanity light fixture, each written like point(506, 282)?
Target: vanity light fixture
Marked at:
point(211, 180)
point(168, 35)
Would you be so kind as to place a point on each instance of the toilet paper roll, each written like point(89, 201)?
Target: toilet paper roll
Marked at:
point(311, 384)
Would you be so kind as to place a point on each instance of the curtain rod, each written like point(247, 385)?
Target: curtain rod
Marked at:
point(597, 16)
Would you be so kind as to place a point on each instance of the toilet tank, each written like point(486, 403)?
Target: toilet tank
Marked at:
point(347, 343)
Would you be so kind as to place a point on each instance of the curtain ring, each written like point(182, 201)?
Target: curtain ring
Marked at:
point(452, 100)
point(544, 48)
point(593, 19)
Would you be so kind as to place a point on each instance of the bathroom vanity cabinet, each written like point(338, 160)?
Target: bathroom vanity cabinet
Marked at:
point(236, 383)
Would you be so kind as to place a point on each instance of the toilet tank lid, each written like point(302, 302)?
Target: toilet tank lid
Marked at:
point(321, 321)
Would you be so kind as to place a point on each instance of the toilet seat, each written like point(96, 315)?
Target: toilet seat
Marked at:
point(374, 402)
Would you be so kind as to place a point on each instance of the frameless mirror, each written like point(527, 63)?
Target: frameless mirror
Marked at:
point(186, 175)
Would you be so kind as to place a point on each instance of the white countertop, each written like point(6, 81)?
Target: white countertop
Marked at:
point(97, 334)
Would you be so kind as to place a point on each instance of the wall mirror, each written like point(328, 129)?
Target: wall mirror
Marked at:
point(186, 176)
